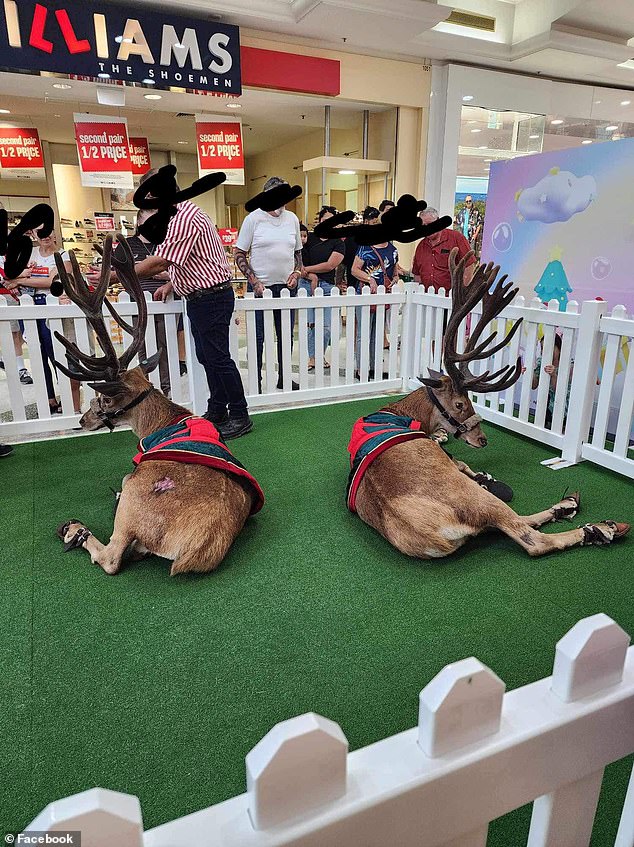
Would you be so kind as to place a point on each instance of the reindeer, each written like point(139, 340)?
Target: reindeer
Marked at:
point(420, 500)
point(188, 513)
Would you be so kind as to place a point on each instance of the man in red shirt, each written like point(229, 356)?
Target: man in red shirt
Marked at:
point(431, 260)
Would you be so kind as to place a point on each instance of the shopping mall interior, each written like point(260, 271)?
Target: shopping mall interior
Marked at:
point(317, 539)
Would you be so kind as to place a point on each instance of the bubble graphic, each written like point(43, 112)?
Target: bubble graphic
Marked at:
point(502, 238)
point(600, 268)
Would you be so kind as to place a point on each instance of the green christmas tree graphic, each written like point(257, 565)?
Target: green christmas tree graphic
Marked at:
point(553, 283)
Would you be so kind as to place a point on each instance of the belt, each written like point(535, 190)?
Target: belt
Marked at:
point(208, 292)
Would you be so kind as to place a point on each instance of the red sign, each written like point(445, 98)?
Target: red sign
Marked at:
point(140, 155)
point(228, 236)
point(290, 72)
point(21, 153)
point(219, 143)
point(104, 222)
point(104, 151)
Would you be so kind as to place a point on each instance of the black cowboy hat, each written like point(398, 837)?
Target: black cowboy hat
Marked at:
point(273, 198)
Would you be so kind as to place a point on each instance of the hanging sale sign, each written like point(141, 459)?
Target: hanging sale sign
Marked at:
point(219, 142)
point(21, 154)
point(140, 156)
point(228, 236)
point(104, 221)
point(103, 148)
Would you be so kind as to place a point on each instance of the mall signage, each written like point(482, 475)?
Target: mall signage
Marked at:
point(219, 142)
point(97, 38)
point(103, 149)
point(104, 221)
point(21, 154)
point(228, 236)
point(140, 156)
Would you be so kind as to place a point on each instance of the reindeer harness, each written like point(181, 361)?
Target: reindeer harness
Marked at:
point(459, 428)
point(196, 441)
point(370, 437)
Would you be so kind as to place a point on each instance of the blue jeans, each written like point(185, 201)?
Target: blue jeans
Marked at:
point(326, 287)
point(358, 312)
point(46, 347)
point(210, 317)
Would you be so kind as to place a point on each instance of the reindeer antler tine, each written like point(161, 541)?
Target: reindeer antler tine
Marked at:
point(128, 276)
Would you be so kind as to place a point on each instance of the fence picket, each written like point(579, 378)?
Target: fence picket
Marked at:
point(270, 353)
point(363, 329)
point(625, 835)
point(7, 350)
point(320, 314)
point(285, 296)
point(252, 359)
point(151, 345)
point(565, 817)
point(624, 426)
point(562, 389)
point(301, 320)
point(335, 336)
point(63, 382)
point(379, 335)
point(351, 326)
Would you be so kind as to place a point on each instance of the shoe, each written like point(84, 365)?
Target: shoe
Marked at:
point(217, 420)
point(5, 450)
point(280, 385)
point(183, 368)
point(56, 409)
point(25, 377)
point(236, 427)
point(1, 364)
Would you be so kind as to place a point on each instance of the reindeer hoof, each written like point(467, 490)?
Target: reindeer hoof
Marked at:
point(567, 512)
point(73, 534)
point(603, 533)
point(62, 529)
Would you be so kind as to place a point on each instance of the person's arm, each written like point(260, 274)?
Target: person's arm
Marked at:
point(361, 275)
point(463, 248)
point(297, 268)
point(333, 262)
point(151, 267)
point(241, 249)
point(416, 267)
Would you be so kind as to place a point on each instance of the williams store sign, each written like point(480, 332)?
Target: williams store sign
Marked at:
point(101, 39)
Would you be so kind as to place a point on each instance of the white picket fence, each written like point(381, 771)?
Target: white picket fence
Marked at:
point(591, 418)
point(476, 754)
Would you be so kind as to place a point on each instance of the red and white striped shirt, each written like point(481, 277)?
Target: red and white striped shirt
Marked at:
point(193, 248)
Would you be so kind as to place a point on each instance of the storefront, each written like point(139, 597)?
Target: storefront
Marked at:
point(295, 105)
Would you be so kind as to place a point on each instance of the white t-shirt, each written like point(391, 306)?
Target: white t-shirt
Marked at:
point(272, 242)
point(42, 265)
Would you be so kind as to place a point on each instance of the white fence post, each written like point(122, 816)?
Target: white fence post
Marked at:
point(460, 706)
point(104, 818)
point(299, 765)
point(407, 334)
point(588, 659)
point(196, 376)
point(625, 835)
point(584, 380)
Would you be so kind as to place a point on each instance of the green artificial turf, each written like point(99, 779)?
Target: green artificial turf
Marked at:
point(159, 687)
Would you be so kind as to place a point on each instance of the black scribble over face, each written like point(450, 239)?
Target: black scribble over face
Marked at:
point(161, 193)
point(400, 223)
point(274, 198)
point(16, 245)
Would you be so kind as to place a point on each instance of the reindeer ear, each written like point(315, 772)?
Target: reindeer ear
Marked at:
point(110, 389)
point(149, 364)
point(434, 380)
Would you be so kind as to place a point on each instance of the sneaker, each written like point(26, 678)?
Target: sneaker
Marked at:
point(236, 427)
point(5, 450)
point(217, 420)
point(183, 368)
point(25, 377)
point(280, 385)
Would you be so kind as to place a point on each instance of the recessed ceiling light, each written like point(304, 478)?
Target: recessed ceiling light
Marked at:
point(611, 128)
point(103, 76)
point(557, 122)
point(57, 116)
point(597, 102)
point(153, 96)
point(63, 86)
point(5, 111)
point(533, 136)
point(476, 130)
point(625, 102)
point(587, 141)
point(183, 142)
point(149, 81)
point(234, 105)
point(467, 97)
point(347, 173)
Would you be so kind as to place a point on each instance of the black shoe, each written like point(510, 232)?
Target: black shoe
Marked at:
point(280, 385)
point(183, 368)
point(5, 450)
point(217, 420)
point(236, 427)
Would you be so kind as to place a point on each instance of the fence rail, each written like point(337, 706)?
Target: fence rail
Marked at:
point(585, 412)
point(477, 753)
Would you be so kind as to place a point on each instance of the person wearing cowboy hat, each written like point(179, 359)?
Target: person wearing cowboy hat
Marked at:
point(270, 236)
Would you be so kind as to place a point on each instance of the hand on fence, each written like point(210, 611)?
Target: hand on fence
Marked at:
point(291, 282)
point(258, 288)
point(163, 292)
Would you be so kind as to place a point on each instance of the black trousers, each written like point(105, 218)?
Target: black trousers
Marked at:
point(210, 318)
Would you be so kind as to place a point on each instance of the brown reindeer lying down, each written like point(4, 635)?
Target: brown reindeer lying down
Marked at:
point(187, 512)
point(408, 489)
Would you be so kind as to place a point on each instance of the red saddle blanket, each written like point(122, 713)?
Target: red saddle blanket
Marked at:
point(196, 441)
point(370, 437)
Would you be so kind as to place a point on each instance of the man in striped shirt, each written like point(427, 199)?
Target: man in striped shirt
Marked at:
point(195, 258)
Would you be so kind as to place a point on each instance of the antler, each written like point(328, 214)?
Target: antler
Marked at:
point(83, 366)
point(495, 298)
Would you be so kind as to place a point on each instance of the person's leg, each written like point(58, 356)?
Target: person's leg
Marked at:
point(305, 285)
point(277, 320)
point(373, 342)
point(210, 318)
point(161, 343)
point(259, 340)
point(327, 288)
point(46, 349)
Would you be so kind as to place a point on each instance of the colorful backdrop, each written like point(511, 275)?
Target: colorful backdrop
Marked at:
point(562, 224)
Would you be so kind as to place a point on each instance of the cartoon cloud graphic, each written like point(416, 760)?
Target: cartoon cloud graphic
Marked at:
point(556, 197)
